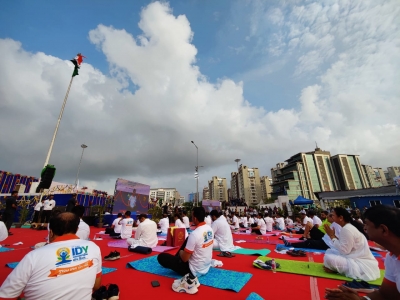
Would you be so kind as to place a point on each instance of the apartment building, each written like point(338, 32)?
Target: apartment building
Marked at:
point(249, 185)
point(349, 173)
point(206, 193)
point(168, 195)
point(371, 177)
point(218, 189)
point(266, 188)
point(234, 186)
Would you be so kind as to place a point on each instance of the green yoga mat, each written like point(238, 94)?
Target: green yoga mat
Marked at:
point(245, 251)
point(311, 269)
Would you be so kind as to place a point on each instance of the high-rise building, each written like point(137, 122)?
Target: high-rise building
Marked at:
point(206, 193)
point(218, 189)
point(380, 175)
point(249, 185)
point(349, 173)
point(392, 172)
point(234, 186)
point(304, 174)
point(266, 189)
point(372, 180)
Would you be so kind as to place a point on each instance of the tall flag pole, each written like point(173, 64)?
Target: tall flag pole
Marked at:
point(77, 61)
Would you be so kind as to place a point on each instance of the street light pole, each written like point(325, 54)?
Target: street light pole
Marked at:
point(237, 163)
point(83, 146)
point(197, 174)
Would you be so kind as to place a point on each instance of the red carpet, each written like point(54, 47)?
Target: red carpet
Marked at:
point(135, 284)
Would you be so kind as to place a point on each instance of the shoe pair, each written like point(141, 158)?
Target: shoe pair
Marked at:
point(361, 286)
point(186, 285)
point(112, 293)
point(287, 243)
point(114, 255)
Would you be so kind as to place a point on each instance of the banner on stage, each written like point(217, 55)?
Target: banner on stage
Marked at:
point(130, 195)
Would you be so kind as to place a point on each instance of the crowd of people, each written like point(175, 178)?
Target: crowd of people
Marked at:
point(342, 233)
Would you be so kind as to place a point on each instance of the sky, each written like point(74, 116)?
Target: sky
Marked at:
point(254, 80)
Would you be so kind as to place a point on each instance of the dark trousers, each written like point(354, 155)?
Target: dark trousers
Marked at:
point(8, 217)
point(316, 234)
point(174, 262)
point(312, 244)
point(46, 216)
point(36, 216)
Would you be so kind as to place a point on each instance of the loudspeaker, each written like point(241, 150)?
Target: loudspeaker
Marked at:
point(46, 179)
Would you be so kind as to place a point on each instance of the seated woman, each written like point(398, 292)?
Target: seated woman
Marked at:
point(260, 226)
point(179, 223)
point(349, 253)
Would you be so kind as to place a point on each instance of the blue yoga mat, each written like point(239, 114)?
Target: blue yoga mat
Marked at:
point(254, 296)
point(3, 249)
point(283, 247)
point(104, 270)
point(217, 278)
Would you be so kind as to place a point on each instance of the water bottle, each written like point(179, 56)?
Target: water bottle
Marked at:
point(273, 264)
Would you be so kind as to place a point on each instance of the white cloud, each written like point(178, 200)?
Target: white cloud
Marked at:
point(145, 135)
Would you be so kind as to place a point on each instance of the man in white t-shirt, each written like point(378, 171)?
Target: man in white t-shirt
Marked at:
point(185, 219)
point(194, 257)
point(307, 225)
point(37, 209)
point(207, 219)
point(3, 231)
point(83, 228)
point(234, 222)
point(288, 222)
point(67, 268)
point(164, 224)
point(115, 228)
point(126, 225)
point(146, 233)
point(222, 233)
point(48, 206)
point(316, 221)
point(269, 223)
point(280, 222)
point(132, 199)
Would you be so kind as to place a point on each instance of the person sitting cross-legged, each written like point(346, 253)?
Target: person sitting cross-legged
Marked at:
point(260, 226)
point(83, 228)
point(222, 234)
point(382, 224)
point(349, 254)
point(146, 233)
point(193, 258)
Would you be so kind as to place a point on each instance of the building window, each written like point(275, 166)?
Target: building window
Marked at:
point(396, 203)
point(375, 202)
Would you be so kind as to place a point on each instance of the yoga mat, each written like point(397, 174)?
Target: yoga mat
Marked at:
point(283, 247)
point(272, 242)
point(163, 248)
point(254, 296)
point(104, 270)
point(311, 269)
point(3, 249)
point(217, 278)
point(246, 251)
point(118, 244)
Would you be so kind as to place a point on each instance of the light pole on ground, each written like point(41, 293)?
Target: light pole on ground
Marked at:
point(83, 146)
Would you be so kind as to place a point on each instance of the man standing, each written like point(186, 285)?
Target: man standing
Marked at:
point(49, 204)
point(382, 224)
point(146, 233)
point(67, 268)
point(222, 234)
point(9, 212)
point(71, 203)
point(193, 258)
point(37, 209)
point(127, 225)
point(83, 228)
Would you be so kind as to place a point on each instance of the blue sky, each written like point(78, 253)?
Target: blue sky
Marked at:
point(255, 80)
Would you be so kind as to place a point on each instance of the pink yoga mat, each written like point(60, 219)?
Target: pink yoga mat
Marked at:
point(124, 244)
point(264, 241)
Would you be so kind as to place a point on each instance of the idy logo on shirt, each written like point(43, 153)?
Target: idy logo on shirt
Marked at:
point(79, 252)
point(207, 236)
point(63, 255)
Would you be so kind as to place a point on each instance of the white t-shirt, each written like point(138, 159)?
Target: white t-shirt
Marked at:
point(164, 224)
point(200, 245)
point(208, 220)
point(281, 223)
point(49, 204)
point(251, 220)
point(186, 221)
point(244, 222)
point(132, 201)
point(263, 225)
point(316, 221)
point(235, 222)
point(288, 221)
point(392, 270)
point(306, 220)
point(83, 230)
point(222, 235)
point(64, 269)
point(3, 231)
point(126, 227)
point(179, 224)
point(146, 234)
point(269, 223)
point(38, 206)
point(117, 226)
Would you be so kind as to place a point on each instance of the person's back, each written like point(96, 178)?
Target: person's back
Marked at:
point(126, 226)
point(186, 221)
point(83, 228)
point(269, 223)
point(146, 233)
point(200, 243)
point(164, 224)
point(222, 235)
point(66, 268)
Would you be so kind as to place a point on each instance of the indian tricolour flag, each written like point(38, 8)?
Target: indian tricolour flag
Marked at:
point(77, 61)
